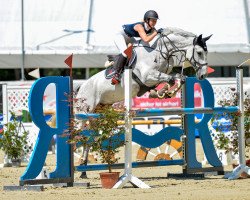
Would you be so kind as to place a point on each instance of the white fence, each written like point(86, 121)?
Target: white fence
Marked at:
point(15, 96)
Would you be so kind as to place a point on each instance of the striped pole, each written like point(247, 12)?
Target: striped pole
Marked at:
point(151, 122)
point(180, 111)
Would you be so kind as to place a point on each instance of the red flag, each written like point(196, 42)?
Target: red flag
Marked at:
point(210, 70)
point(68, 61)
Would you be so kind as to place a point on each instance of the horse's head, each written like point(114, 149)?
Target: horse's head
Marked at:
point(196, 54)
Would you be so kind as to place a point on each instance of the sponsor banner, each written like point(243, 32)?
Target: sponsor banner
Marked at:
point(175, 102)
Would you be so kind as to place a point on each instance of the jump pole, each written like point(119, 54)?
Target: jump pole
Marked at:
point(128, 177)
point(235, 174)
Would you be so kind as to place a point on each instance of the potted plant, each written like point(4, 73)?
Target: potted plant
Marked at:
point(226, 136)
point(104, 139)
point(14, 140)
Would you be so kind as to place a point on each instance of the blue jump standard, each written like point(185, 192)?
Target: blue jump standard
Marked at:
point(134, 165)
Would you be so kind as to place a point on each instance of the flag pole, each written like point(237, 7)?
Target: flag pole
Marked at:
point(68, 62)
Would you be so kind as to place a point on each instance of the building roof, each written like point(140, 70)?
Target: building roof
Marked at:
point(55, 29)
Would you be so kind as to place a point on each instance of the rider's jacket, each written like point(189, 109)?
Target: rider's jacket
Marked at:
point(129, 29)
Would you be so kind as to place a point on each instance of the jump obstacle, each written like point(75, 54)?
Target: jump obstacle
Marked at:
point(64, 172)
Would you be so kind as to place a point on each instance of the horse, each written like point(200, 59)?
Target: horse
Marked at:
point(152, 64)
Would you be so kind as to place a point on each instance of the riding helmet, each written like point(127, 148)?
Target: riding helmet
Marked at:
point(150, 14)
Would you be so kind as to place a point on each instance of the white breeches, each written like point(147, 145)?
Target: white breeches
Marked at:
point(122, 40)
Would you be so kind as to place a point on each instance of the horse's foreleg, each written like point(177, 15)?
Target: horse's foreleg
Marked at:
point(160, 94)
point(168, 90)
point(155, 77)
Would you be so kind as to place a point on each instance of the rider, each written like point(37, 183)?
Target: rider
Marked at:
point(145, 30)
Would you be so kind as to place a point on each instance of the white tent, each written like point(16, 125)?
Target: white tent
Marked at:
point(55, 29)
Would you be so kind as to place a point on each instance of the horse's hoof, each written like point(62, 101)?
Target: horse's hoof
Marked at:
point(170, 95)
point(161, 94)
point(83, 175)
point(167, 96)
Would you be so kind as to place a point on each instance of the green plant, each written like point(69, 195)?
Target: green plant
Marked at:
point(102, 134)
point(14, 141)
point(229, 141)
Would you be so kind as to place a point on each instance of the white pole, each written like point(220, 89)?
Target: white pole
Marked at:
point(5, 103)
point(89, 21)
point(241, 129)
point(128, 177)
point(241, 133)
point(87, 73)
point(128, 121)
point(22, 36)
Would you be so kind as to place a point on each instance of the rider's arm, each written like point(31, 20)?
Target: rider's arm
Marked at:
point(146, 38)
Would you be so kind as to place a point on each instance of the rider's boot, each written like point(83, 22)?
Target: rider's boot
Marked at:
point(122, 60)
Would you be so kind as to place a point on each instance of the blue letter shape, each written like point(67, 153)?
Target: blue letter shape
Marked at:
point(46, 133)
point(202, 126)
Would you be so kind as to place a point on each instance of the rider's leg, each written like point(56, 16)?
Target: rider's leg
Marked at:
point(121, 41)
point(121, 62)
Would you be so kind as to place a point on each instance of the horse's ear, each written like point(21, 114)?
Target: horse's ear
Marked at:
point(207, 38)
point(197, 40)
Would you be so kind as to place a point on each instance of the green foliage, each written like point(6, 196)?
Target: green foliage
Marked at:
point(93, 71)
point(230, 142)
point(10, 74)
point(104, 134)
point(13, 141)
point(105, 128)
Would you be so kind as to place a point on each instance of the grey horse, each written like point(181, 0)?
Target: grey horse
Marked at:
point(152, 64)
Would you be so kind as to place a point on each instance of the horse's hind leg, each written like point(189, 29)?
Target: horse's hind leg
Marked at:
point(84, 161)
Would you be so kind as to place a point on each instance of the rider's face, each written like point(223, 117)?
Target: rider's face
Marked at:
point(152, 22)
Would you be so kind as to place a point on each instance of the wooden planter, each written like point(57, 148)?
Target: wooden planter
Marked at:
point(109, 179)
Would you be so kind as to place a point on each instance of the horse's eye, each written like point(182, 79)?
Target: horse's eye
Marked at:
point(199, 53)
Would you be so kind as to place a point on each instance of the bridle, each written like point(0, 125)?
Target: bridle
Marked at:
point(197, 66)
point(171, 53)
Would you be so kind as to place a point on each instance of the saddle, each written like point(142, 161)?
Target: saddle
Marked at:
point(110, 64)
point(110, 71)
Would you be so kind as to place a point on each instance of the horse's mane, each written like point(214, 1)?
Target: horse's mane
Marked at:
point(178, 32)
point(180, 37)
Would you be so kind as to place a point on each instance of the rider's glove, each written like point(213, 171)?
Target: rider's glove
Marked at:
point(160, 30)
